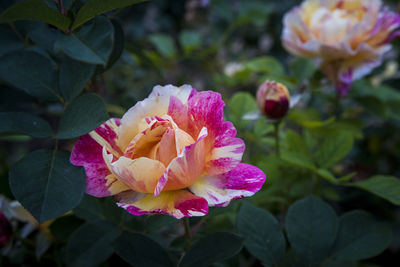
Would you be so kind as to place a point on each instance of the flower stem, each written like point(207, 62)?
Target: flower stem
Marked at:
point(188, 233)
point(276, 134)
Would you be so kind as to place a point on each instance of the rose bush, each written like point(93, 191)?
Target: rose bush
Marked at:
point(171, 153)
point(346, 37)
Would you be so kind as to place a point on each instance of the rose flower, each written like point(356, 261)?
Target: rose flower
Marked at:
point(346, 37)
point(171, 153)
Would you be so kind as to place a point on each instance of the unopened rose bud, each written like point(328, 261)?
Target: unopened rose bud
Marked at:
point(5, 230)
point(273, 99)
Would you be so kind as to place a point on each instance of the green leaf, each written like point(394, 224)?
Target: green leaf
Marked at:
point(212, 248)
point(83, 115)
point(333, 148)
point(295, 151)
point(263, 234)
point(164, 44)
point(265, 64)
point(118, 47)
point(9, 42)
point(64, 226)
point(139, 251)
point(91, 44)
point(96, 7)
point(90, 244)
point(240, 104)
point(74, 75)
point(32, 72)
point(387, 187)
point(35, 10)
point(360, 236)
point(46, 184)
point(89, 208)
point(24, 123)
point(302, 68)
point(311, 226)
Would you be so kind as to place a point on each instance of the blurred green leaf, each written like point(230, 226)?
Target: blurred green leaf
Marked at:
point(164, 44)
point(302, 68)
point(24, 123)
point(74, 75)
point(190, 40)
point(265, 64)
point(309, 118)
point(296, 151)
point(90, 244)
point(139, 251)
point(92, 44)
point(46, 184)
point(360, 236)
point(387, 187)
point(81, 116)
point(35, 10)
point(89, 208)
point(240, 104)
point(32, 72)
point(311, 227)
point(93, 8)
point(212, 248)
point(263, 234)
point(333, 148)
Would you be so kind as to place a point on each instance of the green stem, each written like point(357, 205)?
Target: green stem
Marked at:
point(188, 233)
point(276, 134)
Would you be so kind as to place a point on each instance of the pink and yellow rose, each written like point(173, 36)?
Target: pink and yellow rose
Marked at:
point(171, 153)
point(346, 37)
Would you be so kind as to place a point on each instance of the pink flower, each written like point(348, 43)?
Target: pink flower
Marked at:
point(273, 99)
point(171, 153)
point(346, 37)
point(5, 230)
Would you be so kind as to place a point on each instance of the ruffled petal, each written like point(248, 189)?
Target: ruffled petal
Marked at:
point(179, 203)
point(155, 105)
point(243, 181)
point(227, 151)
point(141, 174)
point(87, 152)
point(185, 169)
point(224, 151)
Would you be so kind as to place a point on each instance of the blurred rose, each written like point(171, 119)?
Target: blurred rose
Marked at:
point(347, 37)
point(273, 99)
point(5, 230)
point(171, 153)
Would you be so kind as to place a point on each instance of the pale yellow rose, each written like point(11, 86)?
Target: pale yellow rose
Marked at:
point(346, 37)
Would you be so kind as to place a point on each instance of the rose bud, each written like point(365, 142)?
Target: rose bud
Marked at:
point(273, 99)
point(5, 230)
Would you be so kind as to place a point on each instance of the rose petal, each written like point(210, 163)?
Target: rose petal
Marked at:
point(186, 168)
point(243, 181)
point(141, 174)
point(167, 149)
point(179, 203)
point(87, 152)
point(155, 105)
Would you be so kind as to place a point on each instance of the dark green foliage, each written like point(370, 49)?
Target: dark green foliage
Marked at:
point(140, 251)
point(81, 116)
point(47, 184)
point(212, 248)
